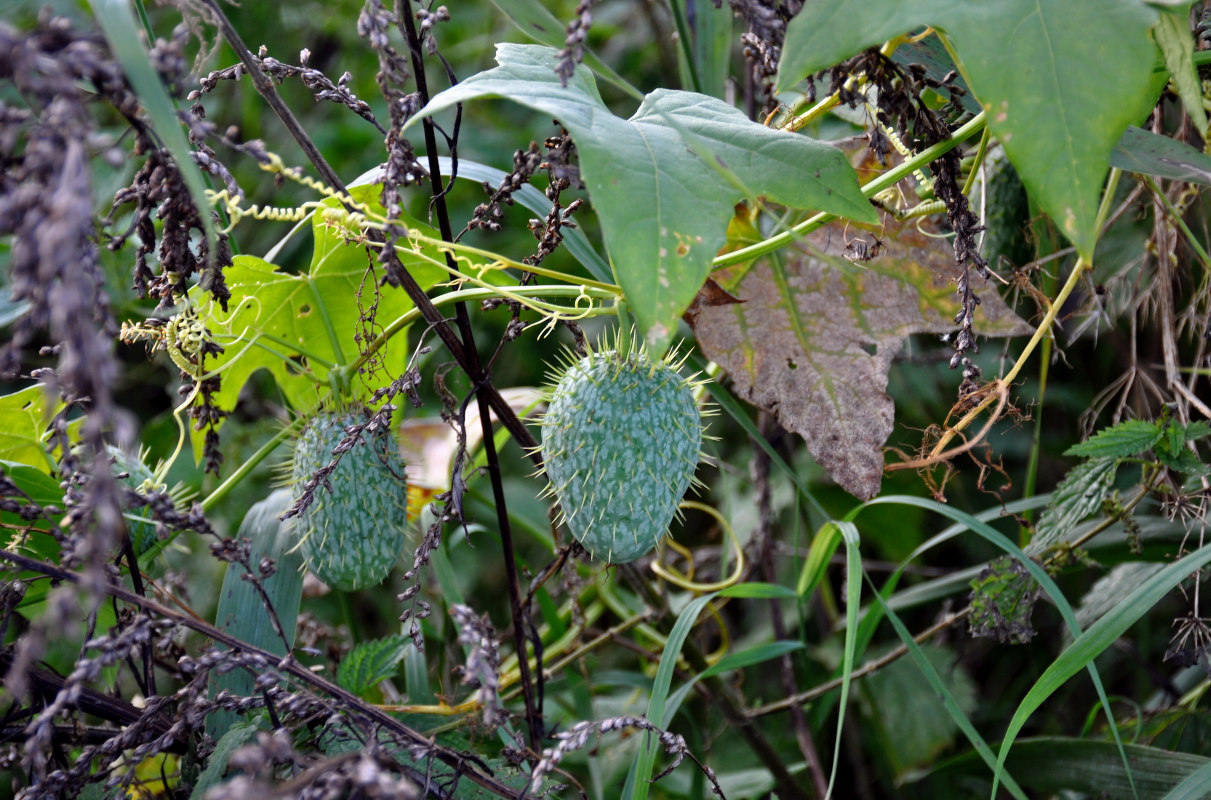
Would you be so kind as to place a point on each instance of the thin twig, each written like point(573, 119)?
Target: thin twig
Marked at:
point(866, 669)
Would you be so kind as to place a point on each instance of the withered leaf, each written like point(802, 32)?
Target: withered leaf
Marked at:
point(711, 294)
point(815, 335)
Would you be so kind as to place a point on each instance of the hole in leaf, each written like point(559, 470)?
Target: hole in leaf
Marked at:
point(297, 364)
point(870, 349)
point(790, 364)
point(304, 309)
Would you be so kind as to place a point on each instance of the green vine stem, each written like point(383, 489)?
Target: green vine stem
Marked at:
point(884, 181)
point(468, 295)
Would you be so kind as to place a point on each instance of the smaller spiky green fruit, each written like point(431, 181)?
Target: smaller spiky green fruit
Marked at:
point(621, 440)
point(352, 536)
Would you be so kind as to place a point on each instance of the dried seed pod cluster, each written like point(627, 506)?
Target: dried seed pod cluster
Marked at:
point(621, 440)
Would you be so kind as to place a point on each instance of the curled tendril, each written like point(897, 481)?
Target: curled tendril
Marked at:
point(684, 581)
point(350, 216)
point(184, 337)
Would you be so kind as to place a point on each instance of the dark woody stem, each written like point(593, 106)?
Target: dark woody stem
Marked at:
point(482, 383)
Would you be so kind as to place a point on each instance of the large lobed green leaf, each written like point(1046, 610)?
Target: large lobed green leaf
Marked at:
point(1061, 80)
point(299, 326)
point(664, 208)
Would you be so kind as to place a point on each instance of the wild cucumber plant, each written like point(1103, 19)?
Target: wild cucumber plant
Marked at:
point(831, 230)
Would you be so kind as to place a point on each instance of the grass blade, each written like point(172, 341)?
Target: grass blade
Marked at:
point(1098, 638)
point(853, 596)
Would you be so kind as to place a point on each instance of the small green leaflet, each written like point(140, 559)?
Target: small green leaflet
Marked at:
point(371, 662)
point(664, 183)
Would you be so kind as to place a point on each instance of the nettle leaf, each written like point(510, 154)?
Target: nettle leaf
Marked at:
point(299, 326)
point(371, 662)
point(1080, 494)
point(1061, 80)
point(665, 181)
point(1128, 438)
point(814, 336)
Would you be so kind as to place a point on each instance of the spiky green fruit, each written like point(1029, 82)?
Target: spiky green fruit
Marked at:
point(352, 536)
point(621, 440)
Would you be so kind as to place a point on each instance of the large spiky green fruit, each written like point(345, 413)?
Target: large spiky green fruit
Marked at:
point(352, 536)
point(620, 442)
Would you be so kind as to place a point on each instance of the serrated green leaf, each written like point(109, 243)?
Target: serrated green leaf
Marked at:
point(1109, 589)
point(1128, 438)
point(299, 326)
point(235, 738)
point(1061, 80)
point(1080, 494)
point(1184, 461)
point(1197, 430)
point(663, 211)
point(1173, 35)
point(371, 662)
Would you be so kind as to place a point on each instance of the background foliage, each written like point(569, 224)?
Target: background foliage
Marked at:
point(949, 540)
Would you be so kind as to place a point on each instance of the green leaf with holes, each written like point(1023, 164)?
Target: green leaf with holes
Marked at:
point(1061, 80)
point(665, 181)
point(299, 326)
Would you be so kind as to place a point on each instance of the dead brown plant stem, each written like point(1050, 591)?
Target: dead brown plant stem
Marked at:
point(861, 672)
point(265, 88)
point(937, 458)
point(1164, 268)
point(458, 761)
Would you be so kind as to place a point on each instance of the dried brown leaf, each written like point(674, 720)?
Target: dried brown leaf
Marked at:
point(815, 335)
